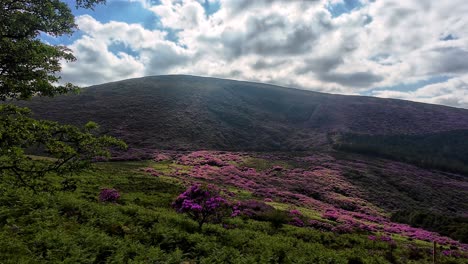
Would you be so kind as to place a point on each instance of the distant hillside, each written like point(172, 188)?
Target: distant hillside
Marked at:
point(188, 112)
point(443, 150)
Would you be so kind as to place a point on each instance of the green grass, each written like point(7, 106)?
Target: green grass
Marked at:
point(240, 194)
point(167, 167)
point(74, 227)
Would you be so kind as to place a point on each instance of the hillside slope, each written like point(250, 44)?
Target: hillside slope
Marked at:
point(188, 112)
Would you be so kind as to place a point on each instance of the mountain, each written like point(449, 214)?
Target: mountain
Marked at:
point(188, 112)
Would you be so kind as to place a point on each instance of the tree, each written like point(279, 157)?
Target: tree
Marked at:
point(63, 148)
point(203, 204)
point(30, 67)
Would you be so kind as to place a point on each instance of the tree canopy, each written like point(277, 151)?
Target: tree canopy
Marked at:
point(29, 67)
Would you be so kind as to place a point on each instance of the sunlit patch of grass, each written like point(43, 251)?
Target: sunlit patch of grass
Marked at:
point(280, 206)
point(122, 167)
point(34, 157)
point(170, 179)
point(309, 213)
point(240, 194)
point(312, 214)
point(168, 167)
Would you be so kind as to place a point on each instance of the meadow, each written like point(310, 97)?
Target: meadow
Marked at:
point(290, 211)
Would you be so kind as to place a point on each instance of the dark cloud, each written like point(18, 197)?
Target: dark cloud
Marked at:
point(165, 59)
point(271, 36)
point(449, 60)
point(73, 77)
point(298, 41)
point(257, 25)
point(240, 6)
point(233, 42)
point(399, 15)
point(89, 55)
point(263, 64)
point(320, 65)
point(356, 79)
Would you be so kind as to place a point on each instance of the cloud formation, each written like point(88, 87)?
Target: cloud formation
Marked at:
point(454, 92)
point(304, 44)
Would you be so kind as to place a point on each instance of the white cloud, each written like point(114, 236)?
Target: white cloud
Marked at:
point(97, 65)
point(291, 43)
point(151, 55)
point(453, 92)
point(186, 15)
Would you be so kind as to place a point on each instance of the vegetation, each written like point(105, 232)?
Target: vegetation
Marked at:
point(257, 208)
point(187, 112)
point(456, 227)
point(444, 151)
point(66, 148)
point(203, 204)
point(29, 67)
point(142, 227)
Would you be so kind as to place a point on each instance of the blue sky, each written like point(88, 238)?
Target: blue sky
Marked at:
point(412, 50)
point(346, 6)
point(119, 10)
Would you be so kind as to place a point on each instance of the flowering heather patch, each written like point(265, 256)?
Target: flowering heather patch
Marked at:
point(296, 221)
point(158, 157)
point(211, 158)
point(109, 195)
point(322, 184)
point(454, 253)
point(320, 225)
point(386, 238)
point(295, 212)
point(204, 172)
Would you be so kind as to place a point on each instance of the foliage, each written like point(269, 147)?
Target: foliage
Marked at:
point(65, 148)
point(29, 66)
point(203, 204)
point(444, 151)
point(338, 200)
point(456, 227)
point(253, 209)
point(109, 195)
point(73, 227)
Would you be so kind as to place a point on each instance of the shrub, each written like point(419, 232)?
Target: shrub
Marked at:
point(253, 209)
point(277, 218)
point(203, 204)
point(109, 195)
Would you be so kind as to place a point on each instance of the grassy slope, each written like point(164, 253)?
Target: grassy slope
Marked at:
point(73, 227)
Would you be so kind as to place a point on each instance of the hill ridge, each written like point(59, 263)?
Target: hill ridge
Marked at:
point(190, 112)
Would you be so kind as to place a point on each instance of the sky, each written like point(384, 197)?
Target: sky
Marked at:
point(407, 49)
